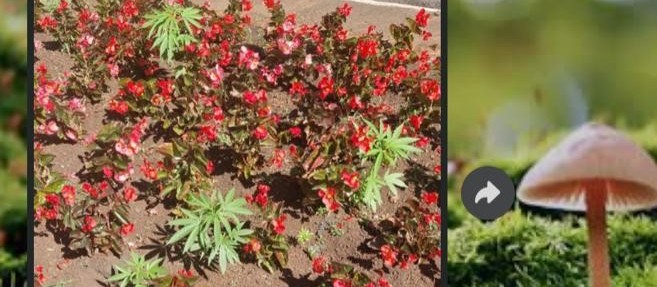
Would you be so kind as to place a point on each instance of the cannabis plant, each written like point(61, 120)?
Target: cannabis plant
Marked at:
point(172, 28)
point(138, 272)
point(388, 147)
point(211, 227)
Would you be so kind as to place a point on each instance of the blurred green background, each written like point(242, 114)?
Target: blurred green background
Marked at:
point(520, 69)
point(522, 74)
point(13, 154)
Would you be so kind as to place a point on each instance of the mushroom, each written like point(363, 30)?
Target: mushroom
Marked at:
point(593, 170)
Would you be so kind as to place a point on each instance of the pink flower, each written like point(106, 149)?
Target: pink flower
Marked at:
point(328, 198)
point(248, 58)
point(68, 193)
point(216, 75)
point(287, 47)
point(260, 133)
point(51, 128)
point(253, 246)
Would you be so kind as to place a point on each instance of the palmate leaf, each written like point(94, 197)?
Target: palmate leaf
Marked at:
point(388, 147)
point(172, 28)
point(138, 271)
point(211, 226)
point(393, 181)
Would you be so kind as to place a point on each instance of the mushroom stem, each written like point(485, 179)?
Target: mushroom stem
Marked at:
point(596, 221)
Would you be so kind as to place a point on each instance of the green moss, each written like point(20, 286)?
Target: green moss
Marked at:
point(521, 250)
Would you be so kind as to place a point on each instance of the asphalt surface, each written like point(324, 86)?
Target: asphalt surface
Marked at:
point(435, 4)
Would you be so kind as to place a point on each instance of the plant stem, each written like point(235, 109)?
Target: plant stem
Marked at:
point(596, 221)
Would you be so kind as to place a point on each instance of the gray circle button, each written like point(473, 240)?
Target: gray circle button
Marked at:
point(488, 193)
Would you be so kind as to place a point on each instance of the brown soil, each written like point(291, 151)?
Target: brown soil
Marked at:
point(351, 246)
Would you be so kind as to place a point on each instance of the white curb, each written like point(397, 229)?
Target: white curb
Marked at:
point(397, 5)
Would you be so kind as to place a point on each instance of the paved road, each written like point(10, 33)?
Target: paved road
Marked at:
point(422, 3)
point(362, 16)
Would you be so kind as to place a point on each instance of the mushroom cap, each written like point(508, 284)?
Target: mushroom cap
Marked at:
point(594, 157)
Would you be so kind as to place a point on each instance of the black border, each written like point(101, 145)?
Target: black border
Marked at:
point(443, 143)
point(30, 144)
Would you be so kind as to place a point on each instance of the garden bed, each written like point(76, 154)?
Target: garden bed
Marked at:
point(351, 235)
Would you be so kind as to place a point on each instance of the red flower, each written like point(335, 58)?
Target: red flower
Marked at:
point(119, 107)
point(252, 246)
point(279, 224)
point(246, 5)
point(129, 194)
point(137, 89)
point(325, 87)
point(422, 142)
point(207, 133)
point(68, 193)
point(297, 88)
point(38, 274)
point(410, 259)
point(318, 264)
point(345, 10)
point(250, 97)
point(92, 191)
point(295, 132)
point(53, 200)
point(148, 170)
point(416, 121)
point(350, 179)
point(431, 89)
point(422, 18)
point(218, 114)
point(384, 283)
point(437, 168)
point(47, 22)
point(400, 75)
point(430, 198)
point(355, 103)
point(260, 133)
point(270, 4)
point(209, 167)
point(89, 224)
point(341, 283)
point(328, 198)
point(389, 255)
point(186, 273)
point(278, 158)
point(432, 218)
point(127, 229)
point(367, 48)
point(360, 139)
point(261, 197)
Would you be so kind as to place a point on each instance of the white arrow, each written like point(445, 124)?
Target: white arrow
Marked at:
point(490, 192)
